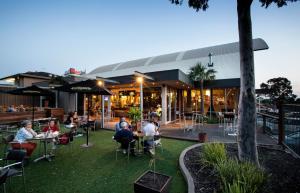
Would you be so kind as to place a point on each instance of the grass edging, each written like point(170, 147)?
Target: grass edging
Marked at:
point(186, 174)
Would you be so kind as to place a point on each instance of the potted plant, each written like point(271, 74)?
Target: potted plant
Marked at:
point(202, 136)
point(134, 115)
point(152, 181)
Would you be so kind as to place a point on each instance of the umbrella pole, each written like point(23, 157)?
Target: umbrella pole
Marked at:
point(32, 110)
point(87, 128)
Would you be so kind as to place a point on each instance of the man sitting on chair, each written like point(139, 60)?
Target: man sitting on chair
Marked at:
point(151, 133)
point(125, 137)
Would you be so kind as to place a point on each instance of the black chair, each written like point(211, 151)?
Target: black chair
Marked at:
point(129, 148)
point(3, 177)
point(14, 162)
point(6, 140)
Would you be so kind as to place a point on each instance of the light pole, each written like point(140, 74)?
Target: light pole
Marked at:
point(140, 80)
point(101, 84)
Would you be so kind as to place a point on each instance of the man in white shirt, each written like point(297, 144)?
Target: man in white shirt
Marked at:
point(151, 132)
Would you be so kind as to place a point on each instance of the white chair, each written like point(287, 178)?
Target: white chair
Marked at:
point(185, 126)
point(221, 118)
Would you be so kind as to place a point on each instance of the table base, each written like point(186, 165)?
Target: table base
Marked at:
point(46, 157)
point(86, 145)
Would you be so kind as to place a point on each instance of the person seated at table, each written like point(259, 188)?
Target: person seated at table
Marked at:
point(125, 137)
point(24, 134)
point(75, 118)
point(118, 125)
point(69, 119)
point(52, 131)
point(21, 108)
point(151, 133)
point(11, 108)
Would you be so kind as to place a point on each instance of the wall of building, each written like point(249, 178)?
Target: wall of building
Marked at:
point(26, 81)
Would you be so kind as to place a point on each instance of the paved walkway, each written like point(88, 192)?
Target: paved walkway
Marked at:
point(214, 131)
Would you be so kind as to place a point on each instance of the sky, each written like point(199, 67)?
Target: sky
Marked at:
point(54, 35)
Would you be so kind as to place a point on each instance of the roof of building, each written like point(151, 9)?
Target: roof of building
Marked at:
point(225, 54)
point(36, 74)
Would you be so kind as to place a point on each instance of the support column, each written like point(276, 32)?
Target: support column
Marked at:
point(164, 92)
point(109, 108)
point(211, 102)
point(76, 101)
point(175, 104)
point(41, 101)
point(141, 101)
point(84, 106)
point(56, 99)
point(102, 111)
point(225, 100)
point(189, 100)
point(179, 100)
point(169, 107)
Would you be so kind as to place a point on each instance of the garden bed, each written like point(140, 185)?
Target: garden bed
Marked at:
point(282, 169)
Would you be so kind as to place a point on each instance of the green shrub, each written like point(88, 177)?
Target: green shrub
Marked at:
point(235, 187)
point(214, 153)
point(236, 177)
point(249, 177)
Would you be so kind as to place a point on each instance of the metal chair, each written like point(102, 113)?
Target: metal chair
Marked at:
point(14, 163)
point(6, 141)
point(3, 177)
point(120, 149)
point(185, 126)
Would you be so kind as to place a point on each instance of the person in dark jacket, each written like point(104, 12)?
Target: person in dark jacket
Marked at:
point(125, 137)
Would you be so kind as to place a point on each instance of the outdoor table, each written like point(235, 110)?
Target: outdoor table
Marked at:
point(138, 136)
point(71, 126)
point(44, 140)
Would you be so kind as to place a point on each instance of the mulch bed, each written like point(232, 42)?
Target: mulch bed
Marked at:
point(283, 170)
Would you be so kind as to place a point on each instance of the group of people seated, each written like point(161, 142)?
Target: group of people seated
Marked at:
point(127, 137)
point(74, 122)
point(12, 108)
point(25, 134)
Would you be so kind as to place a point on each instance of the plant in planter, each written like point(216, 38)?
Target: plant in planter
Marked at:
point(134, 115)
point(199, 73)
point(202, 136)
point(152, 181)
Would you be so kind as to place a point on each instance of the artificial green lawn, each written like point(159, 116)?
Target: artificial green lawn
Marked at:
point(95, 170)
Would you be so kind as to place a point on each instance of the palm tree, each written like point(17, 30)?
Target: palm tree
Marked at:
point(201, 73)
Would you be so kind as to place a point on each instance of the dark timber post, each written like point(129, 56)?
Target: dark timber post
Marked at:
point(280, 124)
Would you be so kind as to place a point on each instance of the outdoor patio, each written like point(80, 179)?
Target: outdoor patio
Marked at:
point(215, 132)
point(92, 170)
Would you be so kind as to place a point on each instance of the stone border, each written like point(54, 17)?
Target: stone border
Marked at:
point(186, 174)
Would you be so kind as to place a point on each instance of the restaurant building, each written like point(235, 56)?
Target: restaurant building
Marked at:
point(170, 86)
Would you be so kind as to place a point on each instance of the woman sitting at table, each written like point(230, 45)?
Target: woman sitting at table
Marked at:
point(75, 117)
point(52, 131)
point(24, 134)
point(69, 119)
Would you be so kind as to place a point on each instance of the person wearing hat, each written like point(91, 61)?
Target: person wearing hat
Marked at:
point(24, 134)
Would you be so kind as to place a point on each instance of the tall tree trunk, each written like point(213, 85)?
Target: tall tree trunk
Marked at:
point(247, 112)
point(202, 99)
